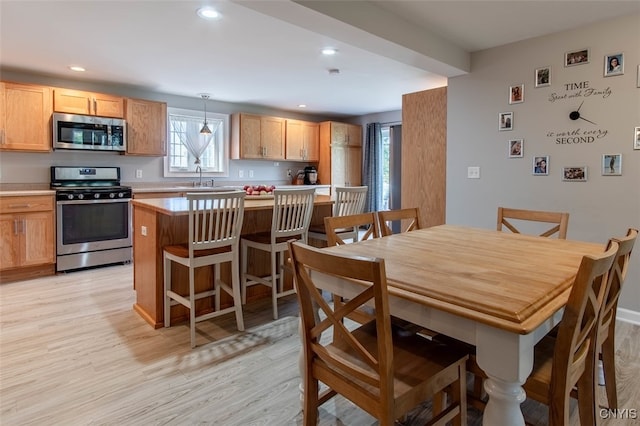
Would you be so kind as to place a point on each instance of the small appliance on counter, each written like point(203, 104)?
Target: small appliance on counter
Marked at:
point(310, 175)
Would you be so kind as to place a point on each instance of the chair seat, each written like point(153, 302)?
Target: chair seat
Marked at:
point(537, 385)
point(415, 359)
point(182, 250)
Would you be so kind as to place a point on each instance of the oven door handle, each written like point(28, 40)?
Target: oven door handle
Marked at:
point(89, 201)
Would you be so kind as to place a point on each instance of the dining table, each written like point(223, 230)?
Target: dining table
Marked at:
point(498, 291)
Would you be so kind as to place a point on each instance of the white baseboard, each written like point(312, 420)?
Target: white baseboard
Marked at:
point(627, 315)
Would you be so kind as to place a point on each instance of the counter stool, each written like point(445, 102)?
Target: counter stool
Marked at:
point(215, 222)
point(292, 210)
point(350, 200)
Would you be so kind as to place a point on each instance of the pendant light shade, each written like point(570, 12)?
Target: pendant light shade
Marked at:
point(205, 127)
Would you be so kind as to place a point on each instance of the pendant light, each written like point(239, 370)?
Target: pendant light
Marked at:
point(205, 127)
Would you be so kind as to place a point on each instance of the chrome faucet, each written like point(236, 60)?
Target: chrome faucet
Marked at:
point(199, 170)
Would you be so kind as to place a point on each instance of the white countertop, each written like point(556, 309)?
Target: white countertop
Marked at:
point(30, 192)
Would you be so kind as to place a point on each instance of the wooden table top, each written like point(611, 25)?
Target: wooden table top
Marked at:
point(510, 281)
point(179, 206)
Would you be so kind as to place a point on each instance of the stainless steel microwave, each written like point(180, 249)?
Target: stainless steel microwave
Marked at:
point(73, 131)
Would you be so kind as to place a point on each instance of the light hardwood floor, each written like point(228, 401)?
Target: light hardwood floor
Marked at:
point(73, 352)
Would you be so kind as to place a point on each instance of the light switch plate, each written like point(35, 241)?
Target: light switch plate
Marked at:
point(473, 172)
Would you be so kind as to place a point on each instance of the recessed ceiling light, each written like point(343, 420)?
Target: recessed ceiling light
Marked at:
point(302, 106)
point(208, 13)
point(76, 68)
point(329, 51)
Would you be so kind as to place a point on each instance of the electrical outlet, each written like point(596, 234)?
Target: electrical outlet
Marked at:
point(289, 174)
point(276, 164)
point(240, 173)
point(473, 172)
point(138, 174)
point(250, 173)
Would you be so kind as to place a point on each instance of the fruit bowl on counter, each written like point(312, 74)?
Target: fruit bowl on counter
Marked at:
point(259, 191)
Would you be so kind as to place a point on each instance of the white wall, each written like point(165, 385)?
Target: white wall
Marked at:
point(600, 208)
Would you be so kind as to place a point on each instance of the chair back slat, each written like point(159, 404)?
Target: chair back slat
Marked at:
point(617, 276)
point(215, 219)
point(292, 210)
point(349, 200)
point(409, 219)
point(575, 347)
point(513, 220)
point(339, 227)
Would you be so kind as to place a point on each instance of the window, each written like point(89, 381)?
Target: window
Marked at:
point(185, 141)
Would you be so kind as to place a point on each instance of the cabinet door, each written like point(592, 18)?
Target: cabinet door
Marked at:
point(79, 102)
point(339, 133)
point(294, 140)
point(338, 165)
point(10, 253)
point(25, 117)
point(353, 172)
point(272, 137)
point(354, 135)
point(311, 141)
point(250, 146)
point(146, 127)
point(37, 242)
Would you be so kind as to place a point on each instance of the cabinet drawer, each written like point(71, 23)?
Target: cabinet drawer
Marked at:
point(36, 203)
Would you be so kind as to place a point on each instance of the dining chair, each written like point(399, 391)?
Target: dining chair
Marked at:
point(215, 223)
point(349, 200)
point(383, 373)
point(337, 228)
point(409, 219)
point(564, 364)
point(607, 319)
point(292, 209)
point(509, 218)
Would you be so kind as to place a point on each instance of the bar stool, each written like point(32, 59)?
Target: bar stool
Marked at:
point(292, 210)
point(215, 222)
point(349, 201)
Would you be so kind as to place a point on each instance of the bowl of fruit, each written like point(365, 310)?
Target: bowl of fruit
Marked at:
point(259, 191)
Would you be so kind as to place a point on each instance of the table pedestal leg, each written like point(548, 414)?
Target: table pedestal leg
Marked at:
point(503, 407)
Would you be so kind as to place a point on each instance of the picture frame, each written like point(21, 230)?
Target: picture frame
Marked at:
point(611, 164)
point(540, 165)
point(576, 57)
point(516, 94)
point(516, 148)
point(574, 174)
point(542, 77)
point(505, 121)
point(614, 64)
point(638, 82)
point(636, 138)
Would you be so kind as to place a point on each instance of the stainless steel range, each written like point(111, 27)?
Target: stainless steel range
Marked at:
point(93, 217)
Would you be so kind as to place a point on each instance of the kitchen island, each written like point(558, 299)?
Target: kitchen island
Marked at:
point(158, 222)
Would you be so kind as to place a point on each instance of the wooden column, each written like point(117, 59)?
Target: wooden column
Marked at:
point(424, 154)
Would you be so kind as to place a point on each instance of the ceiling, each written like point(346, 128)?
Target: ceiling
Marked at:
point(268, 52)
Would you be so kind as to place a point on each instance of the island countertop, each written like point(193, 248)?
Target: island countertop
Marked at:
point(178, 206)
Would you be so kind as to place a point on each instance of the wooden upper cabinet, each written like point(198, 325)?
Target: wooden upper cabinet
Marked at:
point(146, 127)
point(88, 103)
point(257, 137)
point(25, 117)
point(340, 162)
point(302, 140)
point(345, 134)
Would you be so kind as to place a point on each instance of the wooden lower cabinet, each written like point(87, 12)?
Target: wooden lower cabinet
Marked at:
point(27, 237)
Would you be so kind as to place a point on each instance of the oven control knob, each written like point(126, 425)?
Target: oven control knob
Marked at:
point(120, 194)
point(112, 195)
point(96, 195)
point(80, 196)
point(70, 197)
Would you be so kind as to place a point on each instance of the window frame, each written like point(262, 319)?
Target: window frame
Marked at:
point(224, 142)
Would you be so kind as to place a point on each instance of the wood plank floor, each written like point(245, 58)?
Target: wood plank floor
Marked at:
point(73, 352)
